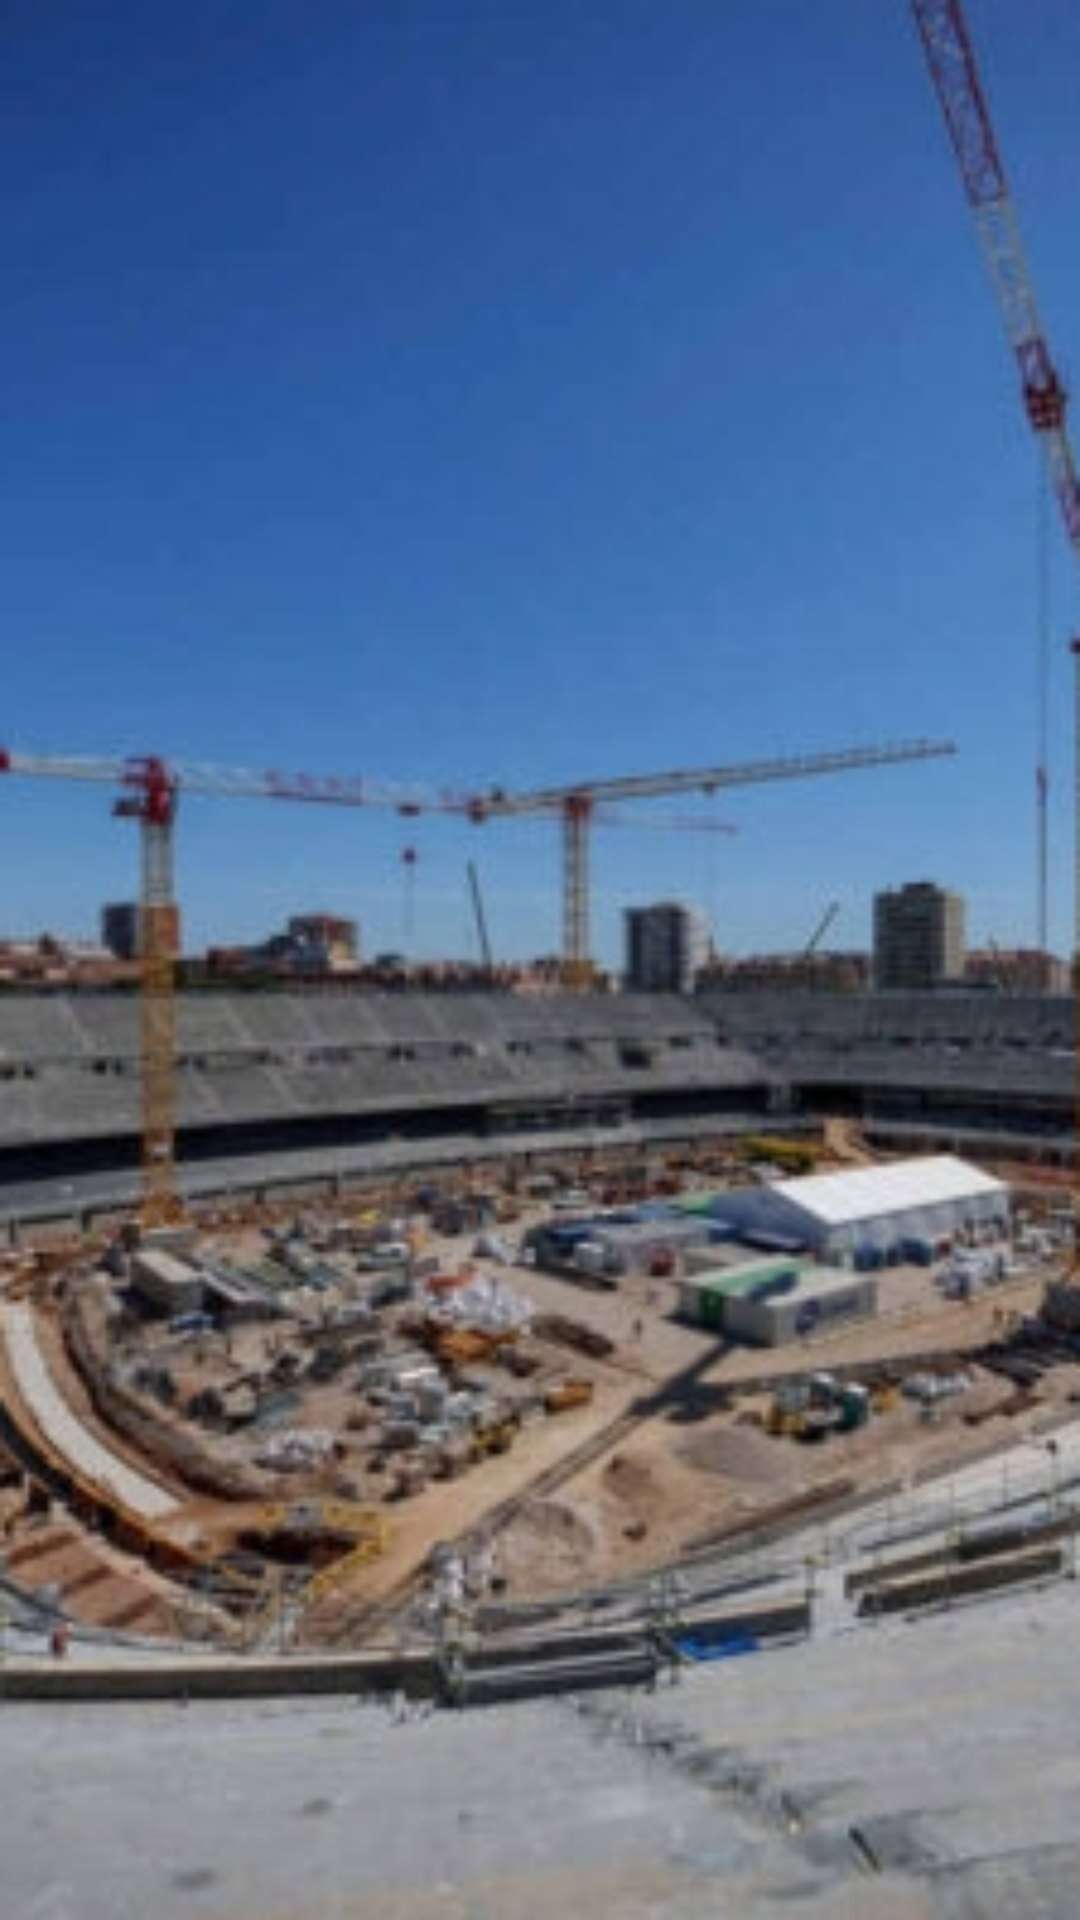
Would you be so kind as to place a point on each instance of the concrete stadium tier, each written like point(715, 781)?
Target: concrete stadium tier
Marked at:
point(69, 1062)
point(293, 1071)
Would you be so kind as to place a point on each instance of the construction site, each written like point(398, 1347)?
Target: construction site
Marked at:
point(281, 1426)
point(368, 1356)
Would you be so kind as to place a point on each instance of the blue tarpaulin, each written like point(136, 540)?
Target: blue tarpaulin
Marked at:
point(724, 1646)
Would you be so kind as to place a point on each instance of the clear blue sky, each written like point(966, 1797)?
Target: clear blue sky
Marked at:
point(474, 390)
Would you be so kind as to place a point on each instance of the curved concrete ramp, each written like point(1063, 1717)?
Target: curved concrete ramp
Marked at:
point(60, 1426)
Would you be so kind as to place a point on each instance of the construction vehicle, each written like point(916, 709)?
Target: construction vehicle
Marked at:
point(809, 1410)
point(793, 1156)
point(495, 1436)
point(568, 1394)
point(790, 1402)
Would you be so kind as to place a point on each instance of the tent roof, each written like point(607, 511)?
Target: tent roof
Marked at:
point(864, 1193)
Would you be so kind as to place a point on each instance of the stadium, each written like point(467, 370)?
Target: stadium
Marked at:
point(278, 1086)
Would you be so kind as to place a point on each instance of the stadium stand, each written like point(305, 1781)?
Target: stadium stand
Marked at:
point(296, 1068)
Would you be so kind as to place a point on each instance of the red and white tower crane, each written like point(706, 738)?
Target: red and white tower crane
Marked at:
point(951, 59)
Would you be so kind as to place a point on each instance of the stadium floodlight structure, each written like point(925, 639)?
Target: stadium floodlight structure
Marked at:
point(577, 806)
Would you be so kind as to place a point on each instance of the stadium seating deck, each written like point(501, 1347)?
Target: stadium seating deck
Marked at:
point(69, 1061)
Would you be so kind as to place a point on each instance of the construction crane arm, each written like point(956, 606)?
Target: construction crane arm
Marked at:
point(821, 929)
point(63, 767)
point(480, 916)
point(499, 803)
point(951, 60)
point(182, 776)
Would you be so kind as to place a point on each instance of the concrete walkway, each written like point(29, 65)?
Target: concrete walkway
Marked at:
point(71, 1440)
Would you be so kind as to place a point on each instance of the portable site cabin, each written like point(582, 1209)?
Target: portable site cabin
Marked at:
point(821, 1299)
point(705, 1296)
point(771, 1302)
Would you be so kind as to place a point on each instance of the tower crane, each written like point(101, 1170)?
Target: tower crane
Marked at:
point(576, 807)
point(480, 916)
point(950, 56)
point(821, 929)
point(149, 793)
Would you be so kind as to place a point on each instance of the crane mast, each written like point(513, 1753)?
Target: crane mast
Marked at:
point(950, 57)
point(576, 806)
point(153, 804)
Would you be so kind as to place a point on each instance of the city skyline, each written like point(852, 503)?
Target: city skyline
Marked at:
point(986, 962)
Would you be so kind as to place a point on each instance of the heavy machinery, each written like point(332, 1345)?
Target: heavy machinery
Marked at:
point(811, 1409)
point(496, 1435)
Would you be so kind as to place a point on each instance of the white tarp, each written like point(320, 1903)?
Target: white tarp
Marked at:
point(867, 1193)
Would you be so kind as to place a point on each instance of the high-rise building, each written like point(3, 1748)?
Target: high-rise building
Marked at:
point(323, 942)
point(120, 929)
point(666, 947)
point(919, 938)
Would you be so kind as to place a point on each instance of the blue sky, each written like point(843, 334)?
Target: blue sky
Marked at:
point(520, 392)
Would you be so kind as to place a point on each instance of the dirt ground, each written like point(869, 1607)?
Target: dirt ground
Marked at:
point(672, 1483)
point(683, 1460)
